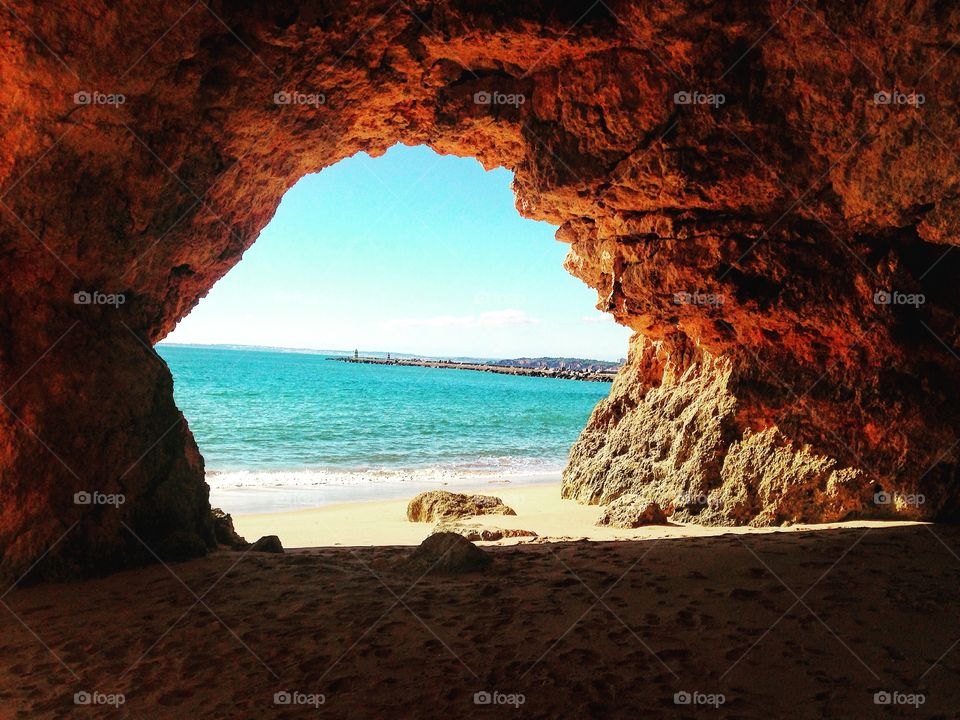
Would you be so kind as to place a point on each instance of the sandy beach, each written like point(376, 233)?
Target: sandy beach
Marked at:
point(539, 508)
point(749, 625)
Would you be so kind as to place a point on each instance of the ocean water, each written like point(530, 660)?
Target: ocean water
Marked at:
point(293, 430)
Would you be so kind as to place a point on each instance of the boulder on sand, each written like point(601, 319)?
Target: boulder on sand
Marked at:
point(224, 531)
point(268, 544)
point(448, 552)
point(435, 505)
point(632, 511)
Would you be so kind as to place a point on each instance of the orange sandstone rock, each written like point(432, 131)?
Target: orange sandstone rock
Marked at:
point(771, 249)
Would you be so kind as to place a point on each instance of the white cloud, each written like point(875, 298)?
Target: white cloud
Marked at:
point(505, 317)
point(600, 318)
point(495, 318)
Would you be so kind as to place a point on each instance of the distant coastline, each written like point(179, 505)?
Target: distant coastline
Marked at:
point(562, 373)
point(536, 362)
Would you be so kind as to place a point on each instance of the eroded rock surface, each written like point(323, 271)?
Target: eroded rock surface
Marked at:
point(475, 532)
point(773, 248)
point(632, 511)
point(224, 531)
point(268, 544)
point(440, 505)
point(671, 434)
point(449, 552)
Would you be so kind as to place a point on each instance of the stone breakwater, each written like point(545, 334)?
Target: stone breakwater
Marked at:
point(483, 367)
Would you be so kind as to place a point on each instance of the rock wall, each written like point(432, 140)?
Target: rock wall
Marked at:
point(744, 240)
point(671, 433)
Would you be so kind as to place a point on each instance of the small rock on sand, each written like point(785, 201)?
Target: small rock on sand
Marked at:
point(475, 532)
point(268, 544)
point(632, 511)
point(443, 505)
point(224, 531)
point(448, 552)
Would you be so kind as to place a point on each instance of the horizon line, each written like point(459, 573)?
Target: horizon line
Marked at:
point(319, 351)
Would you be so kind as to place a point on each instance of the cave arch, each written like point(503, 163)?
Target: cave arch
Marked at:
point(145, 147)
point(410, 253)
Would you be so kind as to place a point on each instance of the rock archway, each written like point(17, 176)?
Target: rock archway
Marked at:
point(763, 194)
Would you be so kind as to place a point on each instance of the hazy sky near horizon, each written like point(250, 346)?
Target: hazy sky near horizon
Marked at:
point(411, 252)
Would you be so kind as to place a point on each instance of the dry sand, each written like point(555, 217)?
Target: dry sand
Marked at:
point(539, 508)
point(781, 624)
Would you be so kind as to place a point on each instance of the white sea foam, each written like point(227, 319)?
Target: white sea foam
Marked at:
point(507, 470)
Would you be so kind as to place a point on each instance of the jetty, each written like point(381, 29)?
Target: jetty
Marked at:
point(559, 373)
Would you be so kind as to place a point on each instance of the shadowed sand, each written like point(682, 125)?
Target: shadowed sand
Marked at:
point(784, 625)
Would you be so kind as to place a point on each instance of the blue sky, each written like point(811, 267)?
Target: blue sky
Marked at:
point(411, 252)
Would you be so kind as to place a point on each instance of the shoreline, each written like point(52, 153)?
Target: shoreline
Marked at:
point(333, 489)
point(539, 508)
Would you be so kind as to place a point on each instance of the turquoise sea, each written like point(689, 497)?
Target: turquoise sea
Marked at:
point(296, 429)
